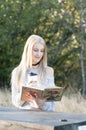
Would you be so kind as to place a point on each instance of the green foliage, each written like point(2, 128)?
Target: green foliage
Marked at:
point(57, 21)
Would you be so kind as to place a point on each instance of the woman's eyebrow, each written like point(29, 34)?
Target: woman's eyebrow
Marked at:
point(38, 48)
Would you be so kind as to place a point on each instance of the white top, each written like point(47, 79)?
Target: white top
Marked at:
point(16, 93)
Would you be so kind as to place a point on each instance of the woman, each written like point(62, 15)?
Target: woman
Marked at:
point(34, 60)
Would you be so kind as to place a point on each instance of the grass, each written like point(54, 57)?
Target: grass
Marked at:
point(5, 98)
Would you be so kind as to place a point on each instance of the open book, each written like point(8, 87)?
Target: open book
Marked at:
point(48, 94)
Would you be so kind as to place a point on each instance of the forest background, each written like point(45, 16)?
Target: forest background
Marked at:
point(63, 26)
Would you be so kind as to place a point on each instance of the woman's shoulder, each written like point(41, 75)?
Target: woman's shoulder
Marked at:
point(49, 71)
point(15, 71)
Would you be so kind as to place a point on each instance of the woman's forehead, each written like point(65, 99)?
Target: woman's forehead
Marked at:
point(38, 45)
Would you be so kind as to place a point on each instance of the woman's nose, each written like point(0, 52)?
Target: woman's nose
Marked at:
point(39, 53)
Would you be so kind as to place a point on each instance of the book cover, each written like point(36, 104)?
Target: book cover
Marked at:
point(48, 94)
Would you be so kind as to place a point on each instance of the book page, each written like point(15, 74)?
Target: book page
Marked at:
point(53, 94)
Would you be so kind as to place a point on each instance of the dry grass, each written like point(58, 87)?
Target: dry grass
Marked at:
point(71, 102)
point(5, 98)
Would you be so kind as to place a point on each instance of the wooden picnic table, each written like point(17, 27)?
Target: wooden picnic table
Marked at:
point(12, 118)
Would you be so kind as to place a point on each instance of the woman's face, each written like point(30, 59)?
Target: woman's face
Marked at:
point(37, 53)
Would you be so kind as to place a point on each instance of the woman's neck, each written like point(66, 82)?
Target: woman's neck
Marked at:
point(35, 69)
point(36, 64)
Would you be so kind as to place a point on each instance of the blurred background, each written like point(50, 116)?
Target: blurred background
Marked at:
point(62, 24)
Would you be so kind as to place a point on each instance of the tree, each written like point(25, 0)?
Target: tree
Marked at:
point(83, 27)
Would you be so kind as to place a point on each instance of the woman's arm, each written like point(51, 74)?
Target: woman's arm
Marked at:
point(50, 77)
point(49, 106)
point(16, 97)
point(15, 89)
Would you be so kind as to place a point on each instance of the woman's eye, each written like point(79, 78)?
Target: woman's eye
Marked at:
point(35, 50)
point(42, 50)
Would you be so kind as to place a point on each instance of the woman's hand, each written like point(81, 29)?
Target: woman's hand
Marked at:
point(28, 97)
point(37, 103)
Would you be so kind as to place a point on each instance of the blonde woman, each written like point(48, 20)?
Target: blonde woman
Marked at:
point(34, 60)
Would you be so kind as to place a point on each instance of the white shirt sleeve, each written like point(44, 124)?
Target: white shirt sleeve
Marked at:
point(49, 106)
point(16, 97)
point(50, 82)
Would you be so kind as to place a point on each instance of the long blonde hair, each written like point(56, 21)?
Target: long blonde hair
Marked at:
point(26, 61)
